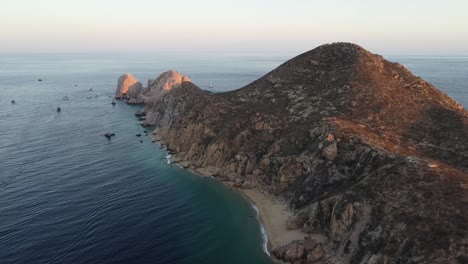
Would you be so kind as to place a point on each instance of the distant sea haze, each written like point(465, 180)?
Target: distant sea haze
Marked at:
point(69, 195)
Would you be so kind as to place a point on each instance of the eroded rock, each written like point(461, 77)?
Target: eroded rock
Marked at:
point(331, 151)
point(128, 84)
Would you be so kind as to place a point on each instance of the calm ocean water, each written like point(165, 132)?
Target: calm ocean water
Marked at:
point(68, 195)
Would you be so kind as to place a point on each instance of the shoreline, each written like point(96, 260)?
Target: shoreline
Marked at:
point(272, 214)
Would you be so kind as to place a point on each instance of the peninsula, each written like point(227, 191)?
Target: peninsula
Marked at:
point(370, 160)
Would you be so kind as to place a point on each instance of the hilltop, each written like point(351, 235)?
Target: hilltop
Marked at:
point(367, 155)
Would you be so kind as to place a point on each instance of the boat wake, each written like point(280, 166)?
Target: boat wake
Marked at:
point(51, 118)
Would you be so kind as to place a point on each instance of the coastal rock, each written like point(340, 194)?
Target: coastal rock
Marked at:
point(165, 82)
point(127, 83)
point(137, 100)
point(135, 91)
point(140, 113)
point(374, 163)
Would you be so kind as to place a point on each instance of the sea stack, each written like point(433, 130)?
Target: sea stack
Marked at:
point(371, 158)
point(128, 87)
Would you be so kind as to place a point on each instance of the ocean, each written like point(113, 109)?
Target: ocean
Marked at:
point(69, 195)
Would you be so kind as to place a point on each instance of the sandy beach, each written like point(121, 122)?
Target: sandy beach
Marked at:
point(273, 215)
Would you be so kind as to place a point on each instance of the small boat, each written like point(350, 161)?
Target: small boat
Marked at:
point(59, 109)
point(13, 101)
point(91, 89)
point(66, 98)
point(113, 101)
point(211, 86)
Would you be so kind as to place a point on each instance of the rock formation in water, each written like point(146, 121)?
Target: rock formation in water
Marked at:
point(128, 87)
point(367, 154)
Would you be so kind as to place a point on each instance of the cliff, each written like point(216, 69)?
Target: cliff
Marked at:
point(128, 87)
point(366, 154)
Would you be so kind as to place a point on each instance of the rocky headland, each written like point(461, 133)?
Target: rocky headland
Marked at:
point(369, 158)
point(130, 89)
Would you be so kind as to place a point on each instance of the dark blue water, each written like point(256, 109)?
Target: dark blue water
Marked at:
point(68, 195)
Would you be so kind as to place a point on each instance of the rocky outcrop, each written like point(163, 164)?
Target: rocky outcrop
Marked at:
point(307, 251)
point(368, 155)
point(165, 83)
point(131, 89)
point(128, 87)
point(135, 91)
point(140, 99)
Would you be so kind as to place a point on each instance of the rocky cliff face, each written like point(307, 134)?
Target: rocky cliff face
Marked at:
point(165, 82)
point(128, 87)
point(366, 154)
point(157, 88)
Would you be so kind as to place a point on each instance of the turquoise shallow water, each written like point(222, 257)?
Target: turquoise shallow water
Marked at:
point(68, 195)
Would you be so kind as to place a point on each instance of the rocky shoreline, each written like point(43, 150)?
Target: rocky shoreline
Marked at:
point(369, 157)
point(273, 213)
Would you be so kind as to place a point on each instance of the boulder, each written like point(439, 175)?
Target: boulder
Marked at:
point(341, 219)
point(331, 151)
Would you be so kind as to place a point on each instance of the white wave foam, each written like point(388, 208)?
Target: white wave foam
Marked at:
point(263, 230)
point(168, 157)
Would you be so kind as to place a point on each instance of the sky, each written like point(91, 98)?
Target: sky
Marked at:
point(390, 26)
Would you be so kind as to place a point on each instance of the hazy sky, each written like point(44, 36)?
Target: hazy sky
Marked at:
point(390, 26)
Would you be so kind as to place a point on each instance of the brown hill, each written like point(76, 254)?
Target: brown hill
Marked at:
point(367, 154)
